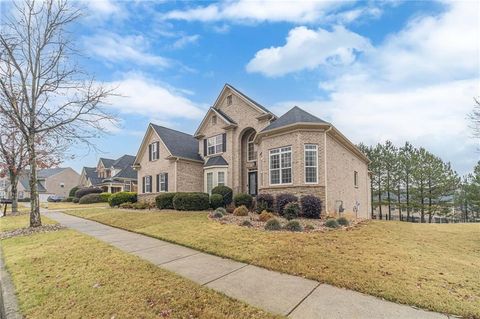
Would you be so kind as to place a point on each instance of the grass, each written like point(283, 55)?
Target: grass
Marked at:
point(19, 221)
point(68, 205)
point(65, 273)
point(432, 266)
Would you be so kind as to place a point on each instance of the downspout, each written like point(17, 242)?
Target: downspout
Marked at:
point(325, 167)
point(176, 179)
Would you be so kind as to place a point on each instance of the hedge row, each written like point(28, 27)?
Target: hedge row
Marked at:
point(122, 197)
point(183, 201)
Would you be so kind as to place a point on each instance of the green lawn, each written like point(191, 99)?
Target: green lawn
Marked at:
point(432, 266)
point(65, 274)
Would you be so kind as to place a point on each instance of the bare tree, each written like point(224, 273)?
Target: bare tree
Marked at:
point(42, 89)
point(475, 119)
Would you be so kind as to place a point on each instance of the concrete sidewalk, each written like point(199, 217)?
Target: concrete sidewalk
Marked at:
point(278, 293)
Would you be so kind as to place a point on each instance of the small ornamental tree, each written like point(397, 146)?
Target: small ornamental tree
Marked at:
point(311, 206)
point(282, 200)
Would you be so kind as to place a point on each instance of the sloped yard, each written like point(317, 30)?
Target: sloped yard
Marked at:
point(433, 266)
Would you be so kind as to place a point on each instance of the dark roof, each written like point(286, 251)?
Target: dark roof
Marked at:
point(216, 161)
point(127, 172)
point(294, 115)
point(228, 118)
point(107, 162)
point(124, 161)
point(26, 185)
point(91, 173)
point(47, 172)
point(178, 143)
point(251, 100)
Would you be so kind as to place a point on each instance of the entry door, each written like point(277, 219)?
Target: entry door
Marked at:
point(252, 183)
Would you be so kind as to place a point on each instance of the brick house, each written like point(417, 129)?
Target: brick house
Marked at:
point(111, 175)
point(243, 145)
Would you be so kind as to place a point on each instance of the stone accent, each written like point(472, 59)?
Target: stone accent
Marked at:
point(148, 198)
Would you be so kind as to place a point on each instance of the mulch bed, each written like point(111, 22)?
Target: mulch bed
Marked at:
point(317, 224)
point(30, 231)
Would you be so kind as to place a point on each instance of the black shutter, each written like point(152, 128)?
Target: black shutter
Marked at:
point(143, 184)
point(150, 152)
point(158, 150)
point(204, 147)
point(158, 183)
point(224, 142)
point(166, 182)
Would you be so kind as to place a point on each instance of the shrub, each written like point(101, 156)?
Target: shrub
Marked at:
point(343, 221)
point(331, 223)
point(311, 206)
point(217, 214)
point(68, 199)
point(246, 223)
point(24, 200)
point(230, 208)
point(309, 227)
point(75, 200)
point(105, 197)
point(221, 210)
point(90, 199)
point(73, 191)
point(265, 216)
point(243, 199)
point(291, 210)
point(273, 224)
point(87, 190)
point(141, 205)
point(126, 205)
point(293, 225)
point(122, 197)
point(283, 200)
point(165, 201)
point(226, 192)
point(191, 201)
point(216, 200)
point(241, 211)
point(264, 202)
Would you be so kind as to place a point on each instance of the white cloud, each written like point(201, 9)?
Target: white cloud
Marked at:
point(185, 40)
point(308, 49)
point(257, 11)
point(418, 85)
point(116, 48)
point(104, 9)
point(143, 96)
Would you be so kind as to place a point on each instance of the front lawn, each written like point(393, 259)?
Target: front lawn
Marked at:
point(69, 205)
point(433, 266)
point(65, 274)
point(19, 221)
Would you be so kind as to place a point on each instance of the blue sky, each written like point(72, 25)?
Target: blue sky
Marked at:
point(376, 70)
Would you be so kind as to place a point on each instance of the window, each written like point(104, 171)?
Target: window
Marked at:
point(209, 183)
point(281, 165)
point(153, 151)
point(147, 184)
point(220, 178)
point(311, 164)
point(251, 153)
point(214, 119)
point(162, 181)
point(214, 144)
point(229, 100)
point(126, 187)
point(355, 178)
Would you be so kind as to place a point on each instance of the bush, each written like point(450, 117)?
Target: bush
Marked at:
point(265, 216)
point(221, 210)
point(126, 205)
point(331, 223)
point(241, 211)
point(105, 197)
point(311, 206)
point(122, 197)
point(273, 224)
point(291, 210)
point(293, 225)
point(283, 200)
point(91, 199)
point(226, 192)
point(68, 199)
point(141, 205)
point(230, 208)
point(246, 223)
point(264, 202)
point(191, 201)
point(309, 227)
point(217, 214)
point(216, 200)
point(87, 190)
point(75, 200)
point(343, 221)
point(243, 199)
point(165, 201)
point(73, 191)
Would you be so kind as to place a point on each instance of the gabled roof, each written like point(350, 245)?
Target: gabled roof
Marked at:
point(227, 118)
point(91, 174)
point(47, 172)
point(107, 162)
point(124, 161)
point(26, 185)
point(127, 172)
point(178, 143)
point(293, 116)
point(263, 108)
point(216, 161)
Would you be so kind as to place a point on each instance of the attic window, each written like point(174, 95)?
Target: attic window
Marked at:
point(214, 119)
point(229, 100)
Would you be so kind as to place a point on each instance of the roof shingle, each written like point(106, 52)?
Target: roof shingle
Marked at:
point(178, 143)
point(294, 115)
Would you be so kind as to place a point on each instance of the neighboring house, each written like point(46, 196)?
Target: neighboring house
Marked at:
point(111, 175)
point(50, 181)
point(243, 145)
point(3, 187)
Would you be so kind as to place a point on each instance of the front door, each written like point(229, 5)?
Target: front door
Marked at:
point(252, 183)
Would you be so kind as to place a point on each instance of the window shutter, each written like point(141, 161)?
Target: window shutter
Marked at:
point(204, 147)
point(158, 183)
point(150, 152)
point(143, 184)
point(158, 150)
point(166, 182)
point(224, 142)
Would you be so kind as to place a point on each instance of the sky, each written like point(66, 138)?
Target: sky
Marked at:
point(397, 70)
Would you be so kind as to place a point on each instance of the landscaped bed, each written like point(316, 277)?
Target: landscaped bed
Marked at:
point(66, 274)
point(432, 266)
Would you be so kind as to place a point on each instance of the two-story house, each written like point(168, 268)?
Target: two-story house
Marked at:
point(112, 175)
point(243, 145)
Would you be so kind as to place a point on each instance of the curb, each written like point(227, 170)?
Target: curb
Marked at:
point(8, 300)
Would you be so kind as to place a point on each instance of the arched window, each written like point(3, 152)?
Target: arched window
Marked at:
point(251, 152)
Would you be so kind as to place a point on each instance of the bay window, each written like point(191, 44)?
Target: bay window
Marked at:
point(311, 164)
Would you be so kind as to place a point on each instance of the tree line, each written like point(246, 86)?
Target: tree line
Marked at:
point(412, 182)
